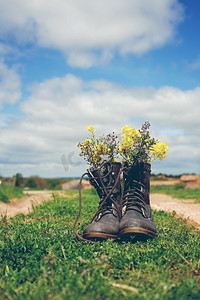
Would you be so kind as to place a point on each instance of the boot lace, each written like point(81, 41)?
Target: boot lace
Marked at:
point(106, 204)
point(133, 197)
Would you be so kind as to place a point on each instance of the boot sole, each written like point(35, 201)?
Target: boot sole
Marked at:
point(136, 231)
point(99, 235)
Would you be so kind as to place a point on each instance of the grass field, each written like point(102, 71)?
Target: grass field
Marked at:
point(10, 192)
point(40, 258)
point(177, 191)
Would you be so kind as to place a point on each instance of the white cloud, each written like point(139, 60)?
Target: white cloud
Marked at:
point(86, 59)
point(10, 85)
point(91, 32)
point(58, 111)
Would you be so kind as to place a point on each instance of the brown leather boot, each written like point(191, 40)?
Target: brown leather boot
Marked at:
point(136, 211)
point(106, 181)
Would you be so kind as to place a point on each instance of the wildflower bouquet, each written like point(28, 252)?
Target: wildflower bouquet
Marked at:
point(97, 150)
point(136, 146)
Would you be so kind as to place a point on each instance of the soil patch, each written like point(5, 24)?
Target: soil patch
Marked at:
point(165, 182)
point(25, 204)
point(185, 208)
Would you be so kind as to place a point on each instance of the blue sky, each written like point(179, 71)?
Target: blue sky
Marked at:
point(76, 63)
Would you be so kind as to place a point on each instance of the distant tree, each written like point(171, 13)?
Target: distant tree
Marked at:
point(54, 183)
point(19, 180)
point(36, 182)
point(41, 182)
point(31, 183)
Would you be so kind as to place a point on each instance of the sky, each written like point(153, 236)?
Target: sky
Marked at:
point(69, 64)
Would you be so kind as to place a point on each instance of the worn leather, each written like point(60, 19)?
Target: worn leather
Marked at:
point(136, 210)
point(106, 223)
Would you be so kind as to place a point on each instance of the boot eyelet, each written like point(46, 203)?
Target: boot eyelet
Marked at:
point(143, 212)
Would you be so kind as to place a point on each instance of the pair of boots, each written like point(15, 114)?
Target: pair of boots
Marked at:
point(123, 209)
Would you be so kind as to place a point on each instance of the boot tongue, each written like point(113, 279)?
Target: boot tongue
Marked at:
point(143, 171)
point(139, 173)
point(133, 180)
point(134, 174)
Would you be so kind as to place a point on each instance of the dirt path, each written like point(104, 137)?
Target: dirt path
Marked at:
point(24, 205)
point(183, 208)
point(165, 182)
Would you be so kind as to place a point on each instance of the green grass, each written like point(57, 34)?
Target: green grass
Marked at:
point(177, 191)
point(40, 257)
point(10, 192)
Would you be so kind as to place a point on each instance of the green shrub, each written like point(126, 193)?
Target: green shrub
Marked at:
point(179, 186)
point(10, 192)
point(3, 196)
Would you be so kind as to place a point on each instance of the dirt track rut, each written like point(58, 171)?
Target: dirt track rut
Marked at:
point(184, 208)
point(25, 204)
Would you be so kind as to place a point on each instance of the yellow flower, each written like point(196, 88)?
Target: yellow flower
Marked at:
point(126, 145)
point(130, 137)
point(85, 144)
point(147, 141)
point(99, 148)
point(90, 128)
point(102, 149)
point(126, 129)
point(159, 150)
point(130, 132)
point(95, 158)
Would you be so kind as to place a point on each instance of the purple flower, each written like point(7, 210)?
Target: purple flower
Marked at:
point(147, 155)
point(145, 128)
